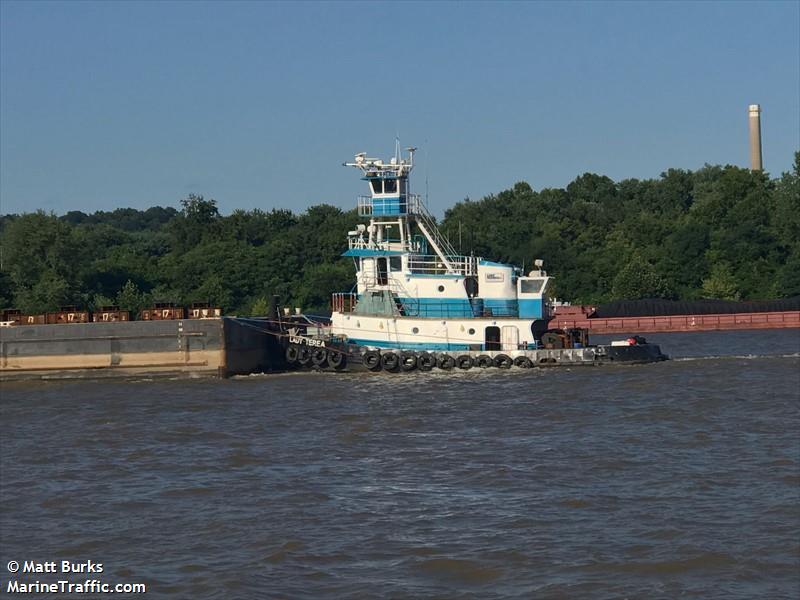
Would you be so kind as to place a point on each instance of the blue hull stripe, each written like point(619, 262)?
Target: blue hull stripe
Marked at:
point(411, 345)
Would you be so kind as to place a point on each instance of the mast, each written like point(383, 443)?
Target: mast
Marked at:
point(391, 199)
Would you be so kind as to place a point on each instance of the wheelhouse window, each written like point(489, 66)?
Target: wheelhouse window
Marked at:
point(390, 186)
point(531, 286)
point(377, 186)
point(395, 263)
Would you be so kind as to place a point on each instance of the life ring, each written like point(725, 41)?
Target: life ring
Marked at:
point(523, 362)
point(319, 358)
point(503, 361)
point(303, 356)
point(337, 360)
point(390, 361)
point(445, 362)
point(372, 360)
point(464, 362)
point(425, 361)
point(483, 361)
point(291, 354)
point(408, 361)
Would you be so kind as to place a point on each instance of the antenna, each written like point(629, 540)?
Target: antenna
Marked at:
point(426, 175)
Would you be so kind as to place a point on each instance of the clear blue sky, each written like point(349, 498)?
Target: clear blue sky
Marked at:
point(112, 104)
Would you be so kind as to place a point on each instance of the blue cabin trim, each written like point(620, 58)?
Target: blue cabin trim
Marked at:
point(489, 263)
point(441, 308)
point(501, 307)
point(387, 206)
point(530, 309)
point(368, 252)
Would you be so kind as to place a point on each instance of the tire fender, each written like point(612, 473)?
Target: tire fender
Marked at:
point(484, 361)
point(292, 354)
point(445, 362)
point(425, 361)
point(337, 360)
point(319, 358)
point(464, 362)
point(390, 361)
point(523, 362)
point(408, 361)
point(503, 361)
point(372, 360)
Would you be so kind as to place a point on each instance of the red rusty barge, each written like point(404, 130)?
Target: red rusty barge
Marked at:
point(587, 317)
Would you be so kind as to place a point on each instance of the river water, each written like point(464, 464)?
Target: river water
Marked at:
point(671, 480)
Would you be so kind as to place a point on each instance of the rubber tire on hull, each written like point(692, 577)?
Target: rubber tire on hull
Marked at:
point(484, 361)
point(425, 361)
point(372, 360)
point(445, 362)
point(523, 362)
point(503, 361)
point(337, 360)
point(390, 361)
point(292, 354)
point(303, 356)
point(408, 361)
point(319, 358)
point(464, 362)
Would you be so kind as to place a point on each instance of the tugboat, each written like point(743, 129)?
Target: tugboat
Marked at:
point(418, 304)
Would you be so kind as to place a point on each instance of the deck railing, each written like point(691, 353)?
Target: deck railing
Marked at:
point(432, 264)
point(412, 307)
point(344, 302)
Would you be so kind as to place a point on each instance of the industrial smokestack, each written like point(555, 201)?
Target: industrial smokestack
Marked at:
point(755, 137)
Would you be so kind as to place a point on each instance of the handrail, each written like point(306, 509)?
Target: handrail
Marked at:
point(431, 264)
point(429, 223)
point(414, 205)
point(343, 302)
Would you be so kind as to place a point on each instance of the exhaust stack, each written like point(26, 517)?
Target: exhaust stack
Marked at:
point(755, 137)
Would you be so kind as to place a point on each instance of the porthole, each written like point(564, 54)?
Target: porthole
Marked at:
point(415, 330)
point(441, 288)
point(471, 331)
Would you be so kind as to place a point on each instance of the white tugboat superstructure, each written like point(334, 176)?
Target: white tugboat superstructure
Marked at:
point(415, 292)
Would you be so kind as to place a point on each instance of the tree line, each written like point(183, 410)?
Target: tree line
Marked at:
point(718, 232)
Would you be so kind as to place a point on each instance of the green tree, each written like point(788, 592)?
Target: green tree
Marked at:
point(260, 307)
point(637, 280)
point(130, 298)
point(49, 292)
point(40, 259)
point(721, 283)
point(787, 281)
point(199, 219)
point(320, 281)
